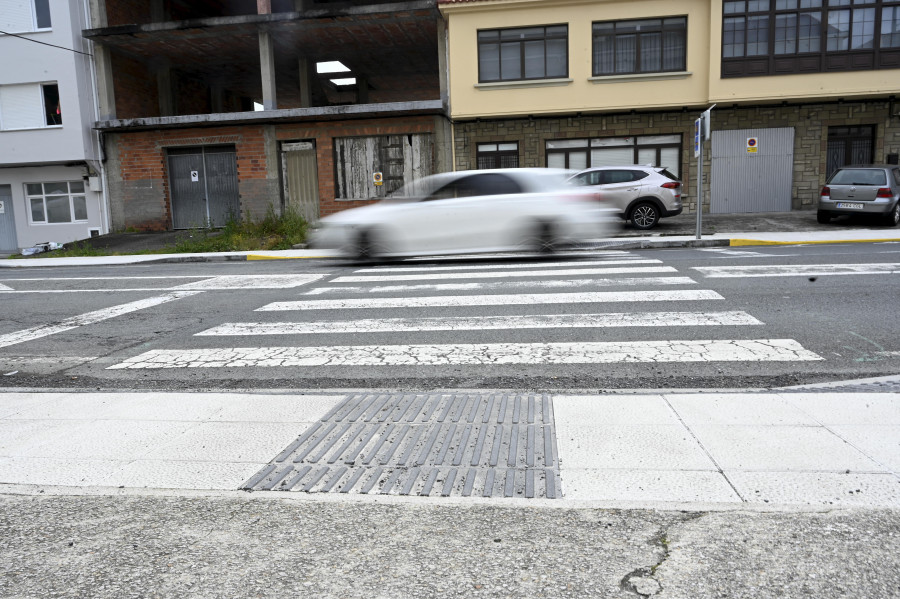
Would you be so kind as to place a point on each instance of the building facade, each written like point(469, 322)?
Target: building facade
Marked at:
point(800, 87)
point(226, 109)
point(50, 162)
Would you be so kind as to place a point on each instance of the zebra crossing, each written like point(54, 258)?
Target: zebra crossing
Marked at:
point(418, 298)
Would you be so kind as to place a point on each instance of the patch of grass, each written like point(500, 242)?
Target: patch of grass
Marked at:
point(272, 232)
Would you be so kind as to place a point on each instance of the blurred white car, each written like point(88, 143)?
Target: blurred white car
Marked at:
point(468, 212)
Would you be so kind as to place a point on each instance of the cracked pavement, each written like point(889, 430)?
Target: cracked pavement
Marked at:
point(122, 544)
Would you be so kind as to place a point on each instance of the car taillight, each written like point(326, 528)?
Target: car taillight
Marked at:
point(884, 192)
point(826, 192)
point(671, 185)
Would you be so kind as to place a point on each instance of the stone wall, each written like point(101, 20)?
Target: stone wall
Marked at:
point(810, 123)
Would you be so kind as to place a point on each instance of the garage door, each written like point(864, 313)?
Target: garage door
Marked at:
point(752, 170)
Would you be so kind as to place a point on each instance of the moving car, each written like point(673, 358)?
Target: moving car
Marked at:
point(466, 212)
point(641, 194)
point(862, 189)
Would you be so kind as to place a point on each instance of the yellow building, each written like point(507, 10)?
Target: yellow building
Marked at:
point(800, 87)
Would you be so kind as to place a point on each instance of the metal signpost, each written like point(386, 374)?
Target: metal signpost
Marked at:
point(701, 133)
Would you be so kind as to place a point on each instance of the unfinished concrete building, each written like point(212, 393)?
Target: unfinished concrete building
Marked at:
point(219, 109)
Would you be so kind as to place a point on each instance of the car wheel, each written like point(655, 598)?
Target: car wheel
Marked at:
point(823, 217)
point(365, 246)
point(644, 216)
point(546, 238)
point(893, 219)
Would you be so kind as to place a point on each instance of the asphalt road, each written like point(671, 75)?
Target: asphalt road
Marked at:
point(634, 319)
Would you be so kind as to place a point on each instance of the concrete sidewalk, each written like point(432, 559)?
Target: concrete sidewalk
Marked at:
point(718, 230)
point(684, 450)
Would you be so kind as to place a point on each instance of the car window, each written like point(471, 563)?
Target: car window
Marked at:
point(477, 185)
point(667, 174)
point(859, 176)
point(896, 172)
point(616, 176)
point(638, 175)
point(589, 178)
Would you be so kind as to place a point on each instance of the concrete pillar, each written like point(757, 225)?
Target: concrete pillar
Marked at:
point(443, 64)
point(362, 90)
point(264, 7)
point(98, 14)
point(158, 11)
point(106, 94)
point(166, 93)
point(306, 69)
point(216, 98)
point(300, 5)
point(267, 69)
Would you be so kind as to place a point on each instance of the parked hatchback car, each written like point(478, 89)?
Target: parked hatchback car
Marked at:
point(862, 189)
point(640, 194)
point(466, 212)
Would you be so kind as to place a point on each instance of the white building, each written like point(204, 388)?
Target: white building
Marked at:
point(50, 161)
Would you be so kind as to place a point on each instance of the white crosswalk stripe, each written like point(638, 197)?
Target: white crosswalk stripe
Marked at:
point(485, 286)
point(413, 287)
point(798, 270)
point(571, 272)
point(747, 350)
point(477, 323)
point(496, 300)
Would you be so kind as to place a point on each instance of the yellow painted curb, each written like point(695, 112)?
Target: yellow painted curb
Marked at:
point(259, 257)
point(746, 242)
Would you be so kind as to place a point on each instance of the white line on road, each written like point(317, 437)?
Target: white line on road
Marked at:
point(252, 282)
point(502, 274)
point(508, 266)
point(798, 270)
point(550, 321)
point(551, 284)
point(89, 318)
point(496, 300)
point(493, 354)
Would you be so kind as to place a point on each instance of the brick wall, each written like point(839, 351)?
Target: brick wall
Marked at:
point(138, 174)
point(127, 12)
point(810, 123)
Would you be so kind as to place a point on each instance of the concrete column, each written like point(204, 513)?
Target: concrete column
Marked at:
point(264, 7)
point(98, 14)
point(362, 90)
point(216, 98)
point(300, 5)
point(106, 91)
point(443, 63)
point(158, 11)
point(305, 71)
point(166, 93)
point(267, 69)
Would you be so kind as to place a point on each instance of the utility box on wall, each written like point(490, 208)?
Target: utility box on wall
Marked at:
point(752, 170)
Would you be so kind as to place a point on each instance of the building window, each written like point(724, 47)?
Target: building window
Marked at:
point(29, 106)
point(646, 46)
point(577, 154)
point(53, 203)
point(22, 16)
point(770, 37)
point(523, 53)
point(498, 155)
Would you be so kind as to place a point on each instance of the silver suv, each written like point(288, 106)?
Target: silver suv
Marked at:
point(641, 194)
point(872, 189)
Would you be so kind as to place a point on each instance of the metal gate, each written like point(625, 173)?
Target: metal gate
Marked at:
point(204, 186)
point(849, 145)
point(752, 170)
point(7, 220)
point(301, 179)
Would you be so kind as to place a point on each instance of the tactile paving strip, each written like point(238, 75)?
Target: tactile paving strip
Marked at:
point(430, 444)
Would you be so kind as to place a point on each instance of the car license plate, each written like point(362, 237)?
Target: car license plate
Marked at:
point(852, 206)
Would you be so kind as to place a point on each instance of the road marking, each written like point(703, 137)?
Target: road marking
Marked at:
point(567, 283)
point(393, 325)
point(501, 274)
point(89, 318)
point(496, 300)
point(492, 354)
point(252, 282)
point(508, 266)
point(799, 270)
point(728, 253)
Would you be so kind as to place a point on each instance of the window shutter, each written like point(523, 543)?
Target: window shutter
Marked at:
point(15, 16)
point(21, 106)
